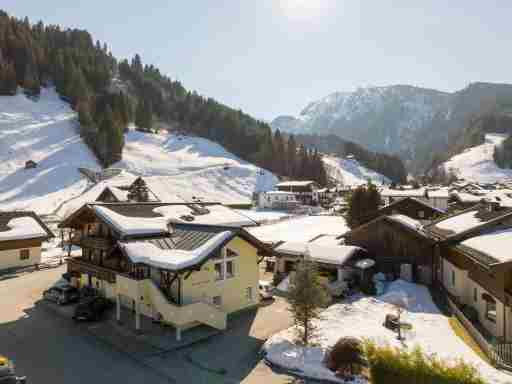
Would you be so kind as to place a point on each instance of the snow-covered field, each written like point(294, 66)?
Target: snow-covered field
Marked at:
point(46, 131)
point(363, 317)
point(476, 164)
point(349, 172)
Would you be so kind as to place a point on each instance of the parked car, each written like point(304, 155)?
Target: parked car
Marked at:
point(8, 374)
point(62, 294)
point(92, 309)
point(266, 289)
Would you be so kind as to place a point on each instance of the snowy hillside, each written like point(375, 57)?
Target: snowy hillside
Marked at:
point(46, 131)
point(477, 163)
point(350, 172)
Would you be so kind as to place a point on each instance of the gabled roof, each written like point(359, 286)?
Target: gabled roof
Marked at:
point(401, 202)
point(405, 224)
point(467, 222)
point(188, 247)
point(298, 183)
point(17, 225)
point(144, 219)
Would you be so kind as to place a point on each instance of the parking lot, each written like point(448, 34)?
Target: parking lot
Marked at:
point(50, 348)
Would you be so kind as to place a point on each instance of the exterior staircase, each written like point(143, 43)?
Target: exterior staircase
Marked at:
point(180, 316)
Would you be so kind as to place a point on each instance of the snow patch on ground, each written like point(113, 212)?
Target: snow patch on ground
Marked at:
point(362, 317)
point(476, 164)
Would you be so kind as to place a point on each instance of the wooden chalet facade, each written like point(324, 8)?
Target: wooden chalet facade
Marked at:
point(474, 268)
point(410, 207)
point(21, 236)
point(182, 273)
point(397, 248)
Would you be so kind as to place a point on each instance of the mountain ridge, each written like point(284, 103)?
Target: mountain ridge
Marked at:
point(412, 122)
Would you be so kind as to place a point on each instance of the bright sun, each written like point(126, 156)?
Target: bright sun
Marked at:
point(304, 9)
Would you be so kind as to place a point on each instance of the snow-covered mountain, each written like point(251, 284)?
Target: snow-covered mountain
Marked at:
point(46, 131)
point(476, 164)
point(410, 121)
point(350, 172)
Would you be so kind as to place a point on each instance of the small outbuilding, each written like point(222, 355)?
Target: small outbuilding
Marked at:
point(30, 164)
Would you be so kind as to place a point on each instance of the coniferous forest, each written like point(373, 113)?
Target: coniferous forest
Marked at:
point(108, 94)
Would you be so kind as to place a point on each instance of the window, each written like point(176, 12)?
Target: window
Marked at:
point(230, 253)
point(475, 294)
point(230, 271)
point(217, 300)
point(218, 271)
point(248, 293)
point(490, 311)
point(24, 254)
point(225, 267)
point(421, 214)
point(453, 278)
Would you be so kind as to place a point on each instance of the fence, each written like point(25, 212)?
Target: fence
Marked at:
point(499, 353)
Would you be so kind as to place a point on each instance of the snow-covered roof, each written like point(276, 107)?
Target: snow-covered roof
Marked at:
point(406, 220)
point(295, 183)
point(132, 226)
point(286, 193)
point(175, 213)
point(460, 223)
point(327, 254)
point(328, 240)
point(388, 192)
point(21, 228)
point(120, 194)
point(336, 255)
point(172, 259)
point(496, 244)
point(262, 216)
point(300, 229)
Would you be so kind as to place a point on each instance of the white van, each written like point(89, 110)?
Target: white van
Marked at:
point(266, 289)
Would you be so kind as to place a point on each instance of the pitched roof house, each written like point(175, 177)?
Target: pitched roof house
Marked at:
point(21, 235)
point(186, 264)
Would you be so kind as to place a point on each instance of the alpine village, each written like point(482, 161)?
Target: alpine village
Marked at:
point(149, 233)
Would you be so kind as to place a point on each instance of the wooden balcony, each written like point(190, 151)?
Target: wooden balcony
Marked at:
point(95, 242)
point(80, 265)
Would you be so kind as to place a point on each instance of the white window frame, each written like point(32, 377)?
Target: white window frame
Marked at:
point(249, 295)
point(223, 262)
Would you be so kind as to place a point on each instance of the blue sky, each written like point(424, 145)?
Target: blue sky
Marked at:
point(271, 57)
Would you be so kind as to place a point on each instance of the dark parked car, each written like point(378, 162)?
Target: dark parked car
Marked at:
point(7, 373)
point(92, 309)
point(62, 294)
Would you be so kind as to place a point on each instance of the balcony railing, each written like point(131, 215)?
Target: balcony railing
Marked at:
point(81, 265)
point(96, 242)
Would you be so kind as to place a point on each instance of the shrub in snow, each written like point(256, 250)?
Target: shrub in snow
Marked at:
point(346, 357)
point(399, 366)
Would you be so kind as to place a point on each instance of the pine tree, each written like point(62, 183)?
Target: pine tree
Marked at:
point(306, 297)
point(279, 160)
point(291, 154)
point(363, 201)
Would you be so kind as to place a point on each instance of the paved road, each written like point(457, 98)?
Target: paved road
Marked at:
point(50, 349)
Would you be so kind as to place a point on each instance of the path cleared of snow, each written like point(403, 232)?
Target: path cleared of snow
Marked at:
point(45, 131)
point(476, 164)
point(349, 172)
point(362, 317)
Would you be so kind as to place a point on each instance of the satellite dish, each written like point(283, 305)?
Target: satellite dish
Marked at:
point(365, 263)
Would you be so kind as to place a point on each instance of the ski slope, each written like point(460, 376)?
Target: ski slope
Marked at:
point(476, 164)
point(177, 167)
point(349, 172)
point(45, 131)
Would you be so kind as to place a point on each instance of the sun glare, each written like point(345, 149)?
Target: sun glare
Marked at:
point(304, 9)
